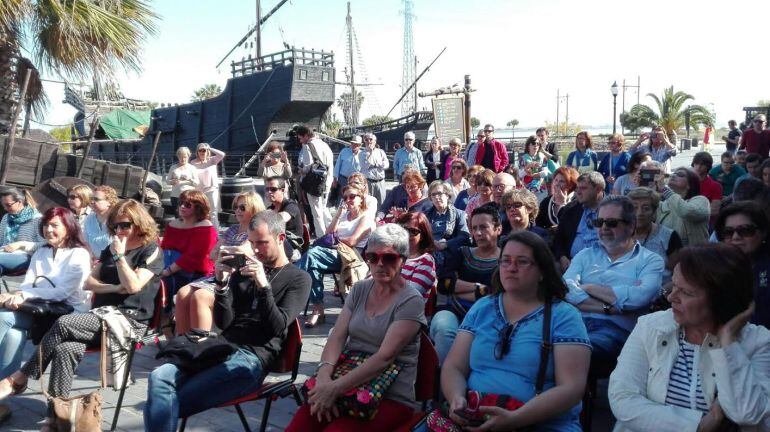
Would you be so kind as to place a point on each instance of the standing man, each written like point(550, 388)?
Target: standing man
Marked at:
point(702, 163)
point(491, 153)
point(409, 154)
point(576, 231)
point(757, 138)
point(549, 148)
point(311, 145)
point(733, 137)
point(374, 166)
point(288, 209)
point(470, 152)
point(208, 179)
point(349, 161)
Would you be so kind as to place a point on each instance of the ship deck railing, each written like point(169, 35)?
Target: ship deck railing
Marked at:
point(293, 56)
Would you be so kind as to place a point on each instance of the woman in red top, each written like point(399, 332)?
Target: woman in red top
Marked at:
point(187, 242)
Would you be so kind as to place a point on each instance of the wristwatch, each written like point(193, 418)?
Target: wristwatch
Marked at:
point(606, 307)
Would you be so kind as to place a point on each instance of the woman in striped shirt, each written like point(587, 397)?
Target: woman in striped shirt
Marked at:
point(419, 270)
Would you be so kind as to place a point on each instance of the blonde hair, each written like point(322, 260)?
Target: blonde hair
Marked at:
point(109, 194)
point(183, 150)
point(146, 227)
point(83, 192)
point(251, 200)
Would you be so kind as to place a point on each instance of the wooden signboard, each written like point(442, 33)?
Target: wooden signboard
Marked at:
point(449, 118)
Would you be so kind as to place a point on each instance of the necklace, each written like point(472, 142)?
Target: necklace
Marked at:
point(273, 276)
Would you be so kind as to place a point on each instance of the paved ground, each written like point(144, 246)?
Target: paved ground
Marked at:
point(29, 408)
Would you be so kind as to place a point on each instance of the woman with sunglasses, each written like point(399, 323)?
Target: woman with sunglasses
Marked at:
point(78, 201)
point(95, 228)
point(521, 208)
point(19, 230)
point(126, 278)
point(454, 154)
point(182, 176)
point(464, 196)
point(744, 225)
point(275, 163)
point(456, 173)
point(419, 270)
point(683, 209)
point(188, 242)
point(56, 273)
point(484, 192)
point(534, 167)
point(505, 329)
point(382, 317)
point(359, 180)
point(194, 306)
point(351, 225)
point(206, 163)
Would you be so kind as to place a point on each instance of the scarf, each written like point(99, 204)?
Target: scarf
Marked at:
point(15, 221)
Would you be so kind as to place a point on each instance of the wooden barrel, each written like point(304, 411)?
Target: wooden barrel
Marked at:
point(232, 187)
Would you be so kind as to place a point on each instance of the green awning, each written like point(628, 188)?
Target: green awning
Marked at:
point(120, 123)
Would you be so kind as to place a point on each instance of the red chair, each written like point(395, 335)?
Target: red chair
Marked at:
point(426, 385)
point(12, 274)
point(150, 336)
point(288, 362)
point(431, 303)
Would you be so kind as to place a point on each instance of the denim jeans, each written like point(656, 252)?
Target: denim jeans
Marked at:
point(443, 330)
point(318, 261)
point(13, 336)
point(172, 394)
point(13, 262)
point(607, 338)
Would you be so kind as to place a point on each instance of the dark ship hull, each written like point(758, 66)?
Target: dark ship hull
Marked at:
point(392, 132)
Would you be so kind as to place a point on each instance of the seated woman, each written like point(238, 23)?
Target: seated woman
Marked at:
point(462, 198)
point(194, 306)
point(419, 270)
point(95, 229)
point(78, 201)
point(562, 193)
point(471, 271)
point(700, 363)
point(520, 207)
point(56, 272)
point(187, 242)
point(396, 198)
point(19, 231)
point(359, 180)
point(484, 190)
point(628, 182)
point(351, 225)
point(744, 225)
point(381, 317)
point(126, 277)
point(535, 169)
point(449, 227)
point(498, 347)
point(683, 209)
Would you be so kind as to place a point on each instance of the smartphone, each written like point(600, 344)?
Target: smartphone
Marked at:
point(647, 177)
point(472, 421)
point(276, 155)
point(236, 262)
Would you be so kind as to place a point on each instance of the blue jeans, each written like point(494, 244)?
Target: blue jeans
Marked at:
point(607, 338)
point(443, 330)
point(318, 261)
point(13, 262)
point(13, 337)
point(172, 394)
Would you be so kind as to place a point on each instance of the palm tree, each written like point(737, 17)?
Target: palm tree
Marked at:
point(76, 39)
point(671, 113)
point(344, 102)
point(206, 92)
point(512, 124)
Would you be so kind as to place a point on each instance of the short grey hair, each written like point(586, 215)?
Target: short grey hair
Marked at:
point(440, 184)
point(14, 193)
point(275, 223)
point(625, 204)
point(594, 178)
point(371, 135)
point(390, 235)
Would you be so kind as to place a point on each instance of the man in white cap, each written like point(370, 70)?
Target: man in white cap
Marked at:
point(375, 164)
point(321, 216)
point(349, 161)
point(409, 154)
point(208, 179)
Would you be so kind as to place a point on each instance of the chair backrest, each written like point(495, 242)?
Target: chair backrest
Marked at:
point(288, 359)
point(160, 304)
point(430, 304)
point(426, 385)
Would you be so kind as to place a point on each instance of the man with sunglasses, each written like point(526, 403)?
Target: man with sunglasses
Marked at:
point(756, 139)
point(613, 282)
point(288, 209)
point(408, 155)
point(491, 153)
point(575, 230)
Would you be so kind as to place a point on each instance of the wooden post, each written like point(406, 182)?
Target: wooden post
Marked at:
point(467, 94)
point(94, 125)
point(149, 164)
point(12, 131)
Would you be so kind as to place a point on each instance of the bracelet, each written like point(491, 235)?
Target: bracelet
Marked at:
point(116, 257)
point(322, 364)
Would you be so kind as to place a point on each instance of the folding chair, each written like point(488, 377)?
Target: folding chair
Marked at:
point(431, 303)
point(426, 385)
point(288, 362)
point(11, 274)
point(151, 335)
point(596, 372)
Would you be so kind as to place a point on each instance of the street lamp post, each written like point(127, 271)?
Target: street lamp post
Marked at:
point(614, 90)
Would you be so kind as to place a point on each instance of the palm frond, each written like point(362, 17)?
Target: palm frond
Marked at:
point(12, 14)
point(35, 97)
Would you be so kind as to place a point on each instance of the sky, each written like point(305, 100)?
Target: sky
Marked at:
point(517, 53)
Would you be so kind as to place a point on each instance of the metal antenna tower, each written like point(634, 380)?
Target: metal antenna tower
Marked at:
point(407, 78)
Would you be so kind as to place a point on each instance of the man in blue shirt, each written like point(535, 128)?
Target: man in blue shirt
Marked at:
point(350, 160)
point(613, 282)
point(409, 154)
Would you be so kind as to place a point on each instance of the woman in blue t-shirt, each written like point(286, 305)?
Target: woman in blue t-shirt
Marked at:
point(584, 159)
point(497, 349)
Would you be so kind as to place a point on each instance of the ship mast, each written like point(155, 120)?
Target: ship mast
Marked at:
point(258, 37)
point(353, 113)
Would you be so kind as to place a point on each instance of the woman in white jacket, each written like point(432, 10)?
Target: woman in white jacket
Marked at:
point(699, 365)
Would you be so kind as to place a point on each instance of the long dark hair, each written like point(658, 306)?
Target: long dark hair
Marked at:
point(552, 285)
point(74, 236)
point(423, 224)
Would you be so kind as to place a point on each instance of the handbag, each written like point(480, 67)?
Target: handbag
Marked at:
point(314, 182)
point(41, 307)
point(80, 413)
point(360, 402)
point(329, 241)
point(196, 351)
point(438, 420)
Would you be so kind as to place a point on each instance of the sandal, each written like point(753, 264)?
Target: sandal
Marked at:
point(16, 388)
point(315, 319)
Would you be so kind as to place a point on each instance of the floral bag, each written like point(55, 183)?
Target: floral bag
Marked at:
point(363, 401)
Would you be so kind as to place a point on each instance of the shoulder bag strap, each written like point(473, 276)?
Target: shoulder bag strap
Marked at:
point(312, 151)
point(545, 348)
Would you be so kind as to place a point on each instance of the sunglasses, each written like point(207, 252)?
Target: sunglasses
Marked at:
point(96, 199)
point(414, 232)
point(513, 205)
point(186, 204)
point(272, 189)
point(72, 197)
point(610, 222)
point(503, 345)
point(743, 231)
point(121, 226)
point(241, 207)
point(388, 258)
point(489, 185)
point(489, 130)
point(202, 151)
point(437, 194)
point(759, 121)
point(350, 197)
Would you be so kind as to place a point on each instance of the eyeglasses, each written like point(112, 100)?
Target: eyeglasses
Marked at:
point(121, 226)
point(414, 232)
point(513, 205)
point(521, 262)
point(611, 222)
point(10, 204)
point(350, 197)
point(503, 345)
point(411, 186)
point(272, 189)
point(759, 121)
point(97, 199)
point(500, 187)
point(437, 194)
point(186, 204)
point(387, 258)
point(72, 197)
point(743, 231)
point(241, 207)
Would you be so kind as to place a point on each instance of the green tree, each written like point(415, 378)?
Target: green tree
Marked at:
point(764, 103)
point(475, 122)
point(563, 128)
point(669, 112)
point(76, 39)
point(375, 119)
point(345, 103)
point(61, 133)
point(208, 91)
point(512, 124)
point(330, 125)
